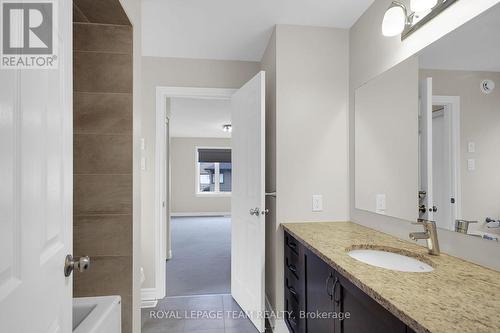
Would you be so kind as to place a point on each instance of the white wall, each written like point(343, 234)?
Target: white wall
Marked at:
point(174, 72)
point(184, 198)
point(133, 10)
point(309, 112)
point(479, 123)
point(386, 151)
point(371, 55)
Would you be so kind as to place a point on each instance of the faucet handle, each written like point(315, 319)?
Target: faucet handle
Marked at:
point(423, 222)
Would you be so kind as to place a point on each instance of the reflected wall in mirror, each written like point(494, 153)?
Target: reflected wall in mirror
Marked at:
point(464, 131)
point(386, 150)
point(427, 134)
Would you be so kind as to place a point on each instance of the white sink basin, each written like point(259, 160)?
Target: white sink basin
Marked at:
point(390, 260)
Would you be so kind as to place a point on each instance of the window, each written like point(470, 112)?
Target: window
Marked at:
point(214, 171)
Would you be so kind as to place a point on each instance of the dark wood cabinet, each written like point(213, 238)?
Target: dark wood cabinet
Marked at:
point(294, 285)
point(365, 315)
point(320, 280)
point(320, 300)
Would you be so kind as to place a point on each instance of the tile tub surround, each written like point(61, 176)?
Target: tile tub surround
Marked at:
point(102, 108)
point(457, 296)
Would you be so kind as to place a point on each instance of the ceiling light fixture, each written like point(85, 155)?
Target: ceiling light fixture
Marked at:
point(395, 19)
point(227, 128)
point(418, 6)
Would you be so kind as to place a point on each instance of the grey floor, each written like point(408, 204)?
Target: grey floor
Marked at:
point(197, 314)
point(201, 256)
point(198, 282)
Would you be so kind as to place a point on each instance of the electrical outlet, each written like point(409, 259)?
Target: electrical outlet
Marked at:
point(317, 203)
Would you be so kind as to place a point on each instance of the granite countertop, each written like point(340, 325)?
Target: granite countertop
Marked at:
point(457, 296)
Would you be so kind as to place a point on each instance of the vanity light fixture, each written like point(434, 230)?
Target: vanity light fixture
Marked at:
point(395, 19)
point(404, 17)
point(227, 128)
point(418, 6)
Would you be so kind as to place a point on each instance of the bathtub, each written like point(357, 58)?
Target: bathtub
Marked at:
point(97, 314)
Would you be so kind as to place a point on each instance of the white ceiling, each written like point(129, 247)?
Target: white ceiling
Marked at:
point(233, 29)
point(474, 46)
point(199, 118)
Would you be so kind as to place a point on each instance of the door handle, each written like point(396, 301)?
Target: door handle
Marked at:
point(255, 211)
point(82, 264)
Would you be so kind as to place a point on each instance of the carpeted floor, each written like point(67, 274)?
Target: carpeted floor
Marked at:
point(201, 256)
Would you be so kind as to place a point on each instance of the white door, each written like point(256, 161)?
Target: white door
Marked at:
point(441, 169)
point(36, 192)
point(248, 179)
point(426, 146)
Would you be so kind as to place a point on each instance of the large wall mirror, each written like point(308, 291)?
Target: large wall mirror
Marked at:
point(427, 134)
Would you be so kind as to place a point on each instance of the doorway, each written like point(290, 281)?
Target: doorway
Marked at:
point(205, 180)
point(446, 160)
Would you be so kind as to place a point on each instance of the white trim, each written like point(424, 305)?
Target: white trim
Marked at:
point(149, 294)
point(269, 309)
point(159, 223)
point(161, 228)
point(453, 103)
point(148, 304)
point(277, 324)
point(213, 194)
point(280, 326)
point(197, 214)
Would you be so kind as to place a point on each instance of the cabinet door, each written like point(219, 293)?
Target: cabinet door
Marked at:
point(366, 315)
point(319, 291)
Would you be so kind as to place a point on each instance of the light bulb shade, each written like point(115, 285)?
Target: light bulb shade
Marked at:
point(394, 21)
point(418, 6)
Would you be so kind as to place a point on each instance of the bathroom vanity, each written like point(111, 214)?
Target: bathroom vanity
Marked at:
point(321, 279)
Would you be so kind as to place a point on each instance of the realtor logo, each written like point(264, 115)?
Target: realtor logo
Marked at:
point(28, 31)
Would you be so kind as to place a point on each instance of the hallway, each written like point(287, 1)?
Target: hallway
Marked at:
point(201, 256)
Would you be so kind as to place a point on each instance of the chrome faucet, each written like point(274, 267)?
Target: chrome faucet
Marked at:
point(430, 234)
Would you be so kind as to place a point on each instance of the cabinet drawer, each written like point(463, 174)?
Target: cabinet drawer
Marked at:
point(293, 264)
point(291, 243)
point(293, 287)
point(292, 315)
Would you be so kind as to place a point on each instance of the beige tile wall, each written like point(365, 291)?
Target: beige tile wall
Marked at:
point(103, 160)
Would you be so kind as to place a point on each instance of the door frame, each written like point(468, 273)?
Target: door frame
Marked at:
point(161, 222)
point(452, 105)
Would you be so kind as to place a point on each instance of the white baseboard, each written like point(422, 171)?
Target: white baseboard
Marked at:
point(280, 326)
point(277, 324)
point(146, 304)
point(149, 295)
point(269, 309)
point(200, 214)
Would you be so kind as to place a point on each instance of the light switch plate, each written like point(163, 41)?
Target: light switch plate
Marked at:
point(143, 163)
point(143, 144)
point(317, 203)
point(381, 204)
point(471, 164)
point(471, 147)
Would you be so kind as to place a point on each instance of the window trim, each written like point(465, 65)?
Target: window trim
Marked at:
point(197, 191)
